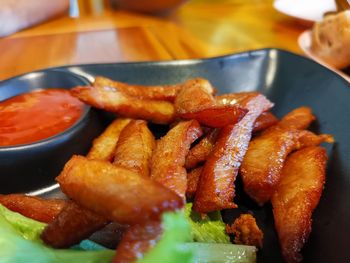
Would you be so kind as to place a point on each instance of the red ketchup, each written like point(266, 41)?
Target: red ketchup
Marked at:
point(37, 115)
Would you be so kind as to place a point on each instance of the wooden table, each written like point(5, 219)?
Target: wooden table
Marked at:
point(200, 28)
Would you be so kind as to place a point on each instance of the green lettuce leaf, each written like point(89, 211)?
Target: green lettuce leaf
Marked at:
point(209, 229)
point(176, 230)
point(20, 243)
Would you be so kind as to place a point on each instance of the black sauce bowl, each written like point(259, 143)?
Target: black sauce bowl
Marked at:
point(29, 167)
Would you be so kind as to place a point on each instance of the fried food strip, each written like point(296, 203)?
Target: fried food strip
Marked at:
point(264, 121)
point(43, 210)
point(298, 119)
point(166, 92)
point(109, 236)
point(73, 224)
point(103, 146)
point(137, 240)
point(110, 99)
point(134, 148)
point(246, 231)
point(192, 181)
point(194, 101)
point(200, 151)
point(114, 192)
point(262, 165)
point(297, 195)
point(168, 160)
point(216, 185)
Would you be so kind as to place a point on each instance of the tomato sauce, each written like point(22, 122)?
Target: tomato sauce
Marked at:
point(37, 115)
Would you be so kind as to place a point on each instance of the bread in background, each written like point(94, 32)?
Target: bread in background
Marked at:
point(331, 39)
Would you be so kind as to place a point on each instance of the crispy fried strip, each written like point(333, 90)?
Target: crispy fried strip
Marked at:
point(262, 165)
point(298, 119)
point(200, 151)
point(166, 92)
point(264, 121)
point(195, 102)
point(112, 100)
point(246, 231)
point(59, 233)
point(134, 148)
point(103, 146)
point(116, 193)
point(296, 196)
point(168, 160)
point(43, 210)
point(216, 185)
point(137, 240)
point(192, 181)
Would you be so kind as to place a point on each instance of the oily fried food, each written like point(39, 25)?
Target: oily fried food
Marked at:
point(168, 160)
point(216, 185)
point(295, 198)
point(262, 165)
point(137, 240)
point(112, 100)
point(200, 151)
point(246, 231)
point(194, 101)
point(103, 146)
point(134, 148)
point(298, 119)
point(114, 192)
point(73, 224)
point(192, 181)
point(264, 121)
point(43, 210)
point(164, 92)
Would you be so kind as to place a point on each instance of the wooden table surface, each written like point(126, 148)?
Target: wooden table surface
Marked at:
point(198, 29)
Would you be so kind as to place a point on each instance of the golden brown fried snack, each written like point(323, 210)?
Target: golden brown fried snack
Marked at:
point(264, 121)
point(110, 99)
point(298, 119)
point(103, 146)
point(165, 92)
point(194, 101)
point(134, 148)
point(200, 151)
point(43, 210)
point(137, 240)
point(192, 181)
point(295, 198)
point(216, 185)
point(168, 160)
point(246, 231)
point(114, 192)
point(262, 165)
point(73, 224)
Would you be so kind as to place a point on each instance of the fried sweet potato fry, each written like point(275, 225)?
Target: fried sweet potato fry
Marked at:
point(137, 240)
point(295, 198)
point(103, 146)
point(43, 210)
point(114, 192)
point(216, 185)
point(192, 181)
point(200, 151)
point(299, 119)
point(262, 165)
point(110, 99)
point(246, 231)
point(134, 148)
point(168, 160)
point(73, 224)
point(264, 121)
point(165, 92)
point(194, 101)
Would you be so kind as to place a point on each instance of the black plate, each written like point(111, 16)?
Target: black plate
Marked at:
point(290, 81)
